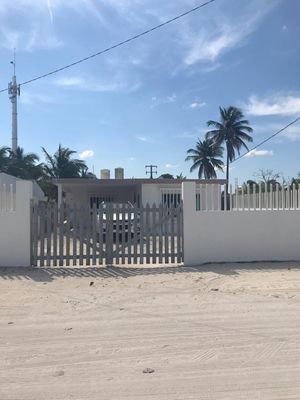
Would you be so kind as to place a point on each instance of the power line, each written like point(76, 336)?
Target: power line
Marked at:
point(117, 45)
point(269, 138)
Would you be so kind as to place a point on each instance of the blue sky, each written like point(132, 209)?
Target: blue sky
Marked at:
point(148, 102)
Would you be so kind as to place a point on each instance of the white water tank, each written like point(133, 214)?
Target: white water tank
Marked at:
point(119, 173)
point(105, 174)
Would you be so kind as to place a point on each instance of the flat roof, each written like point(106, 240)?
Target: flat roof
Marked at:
point(133, 181)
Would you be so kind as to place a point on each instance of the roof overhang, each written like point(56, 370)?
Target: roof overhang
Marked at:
point(131, 182)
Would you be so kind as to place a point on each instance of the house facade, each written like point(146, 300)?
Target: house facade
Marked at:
point(139, 192)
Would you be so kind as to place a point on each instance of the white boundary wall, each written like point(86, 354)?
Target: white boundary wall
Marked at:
point(15, 225)
point(248, 235)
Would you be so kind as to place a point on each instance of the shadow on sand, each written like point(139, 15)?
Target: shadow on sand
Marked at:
point(48, 274)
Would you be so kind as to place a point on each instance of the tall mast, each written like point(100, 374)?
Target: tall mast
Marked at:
point(13, 93)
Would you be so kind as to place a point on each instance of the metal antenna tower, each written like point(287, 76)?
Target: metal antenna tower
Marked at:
point(153, 170)
point(13, 93)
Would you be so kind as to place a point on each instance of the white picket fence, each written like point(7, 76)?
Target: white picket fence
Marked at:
point(255, 227)
point(212, 197)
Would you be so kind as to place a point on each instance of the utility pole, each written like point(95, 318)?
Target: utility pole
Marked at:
point(151, 169)
point(13, 93)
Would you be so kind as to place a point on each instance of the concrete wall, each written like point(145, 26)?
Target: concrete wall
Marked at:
point(151, 194)
point(238, 235)
point(6, 179)
point(15, 229)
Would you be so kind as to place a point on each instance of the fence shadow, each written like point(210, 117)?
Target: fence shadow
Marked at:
point(49, 274)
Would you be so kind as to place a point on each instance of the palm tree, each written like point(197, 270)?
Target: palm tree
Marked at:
point(62, 165)
point(4, 159)
point(181, 176)
point(232, 130)
point(205, 158)
point(24, 165)
point(84, 173)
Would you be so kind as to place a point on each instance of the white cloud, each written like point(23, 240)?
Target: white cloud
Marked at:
point(9, 38)
point(206, 48)
point(49, 5)
point(171, 99)
point(29, 98)
point(142, 139)
point(223, 35)
point(70, 81)
point(86, 83)
point(170, 166)
point(196, 104)
point(35, 21)
point(200, 132)
point(259, 153)
point(156, 101)
point(273, 105)
point(292, 133)
point(86, 154)
point(27, 41)
point(187, 135)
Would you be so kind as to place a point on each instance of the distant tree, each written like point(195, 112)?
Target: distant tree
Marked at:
point(268, 178)
point(166, 176)
point(206, 158)
point(296, 181)
point(232, 130)
point(251, 182)
point(24, 165)
point(4, 159)
point(62, 165)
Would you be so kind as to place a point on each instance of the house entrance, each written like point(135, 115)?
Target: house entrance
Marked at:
point(105, 234)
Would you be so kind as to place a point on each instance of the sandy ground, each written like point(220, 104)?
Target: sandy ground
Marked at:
point(214, 332)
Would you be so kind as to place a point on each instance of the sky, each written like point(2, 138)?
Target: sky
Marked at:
point(148, 102)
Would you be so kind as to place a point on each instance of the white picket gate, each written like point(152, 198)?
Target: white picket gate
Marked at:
point(105, 235)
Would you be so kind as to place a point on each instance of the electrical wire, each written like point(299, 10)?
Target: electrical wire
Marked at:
point(266, 140)
point(116, 45)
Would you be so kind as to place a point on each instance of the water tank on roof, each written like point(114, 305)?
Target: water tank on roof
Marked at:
point(119, 173)
point(105, 174)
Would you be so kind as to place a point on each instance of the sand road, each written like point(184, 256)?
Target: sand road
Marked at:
point(228, 332)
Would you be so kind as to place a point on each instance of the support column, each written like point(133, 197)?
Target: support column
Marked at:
point(189, 210)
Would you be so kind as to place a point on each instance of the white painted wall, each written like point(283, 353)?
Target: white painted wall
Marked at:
point(151, 194)
point(212, 236)
point(210, 194)
point(7, 179)
point(15, 229)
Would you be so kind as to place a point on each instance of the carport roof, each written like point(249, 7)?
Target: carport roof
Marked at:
point(130, 182)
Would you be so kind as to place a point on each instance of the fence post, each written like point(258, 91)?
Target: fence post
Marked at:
point(15, 235)
point(188, 210)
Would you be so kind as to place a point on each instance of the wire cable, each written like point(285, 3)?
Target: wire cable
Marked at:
point(169, 21)
point(266, 140)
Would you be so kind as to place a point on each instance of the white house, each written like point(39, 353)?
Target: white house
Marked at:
point(83, 191)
